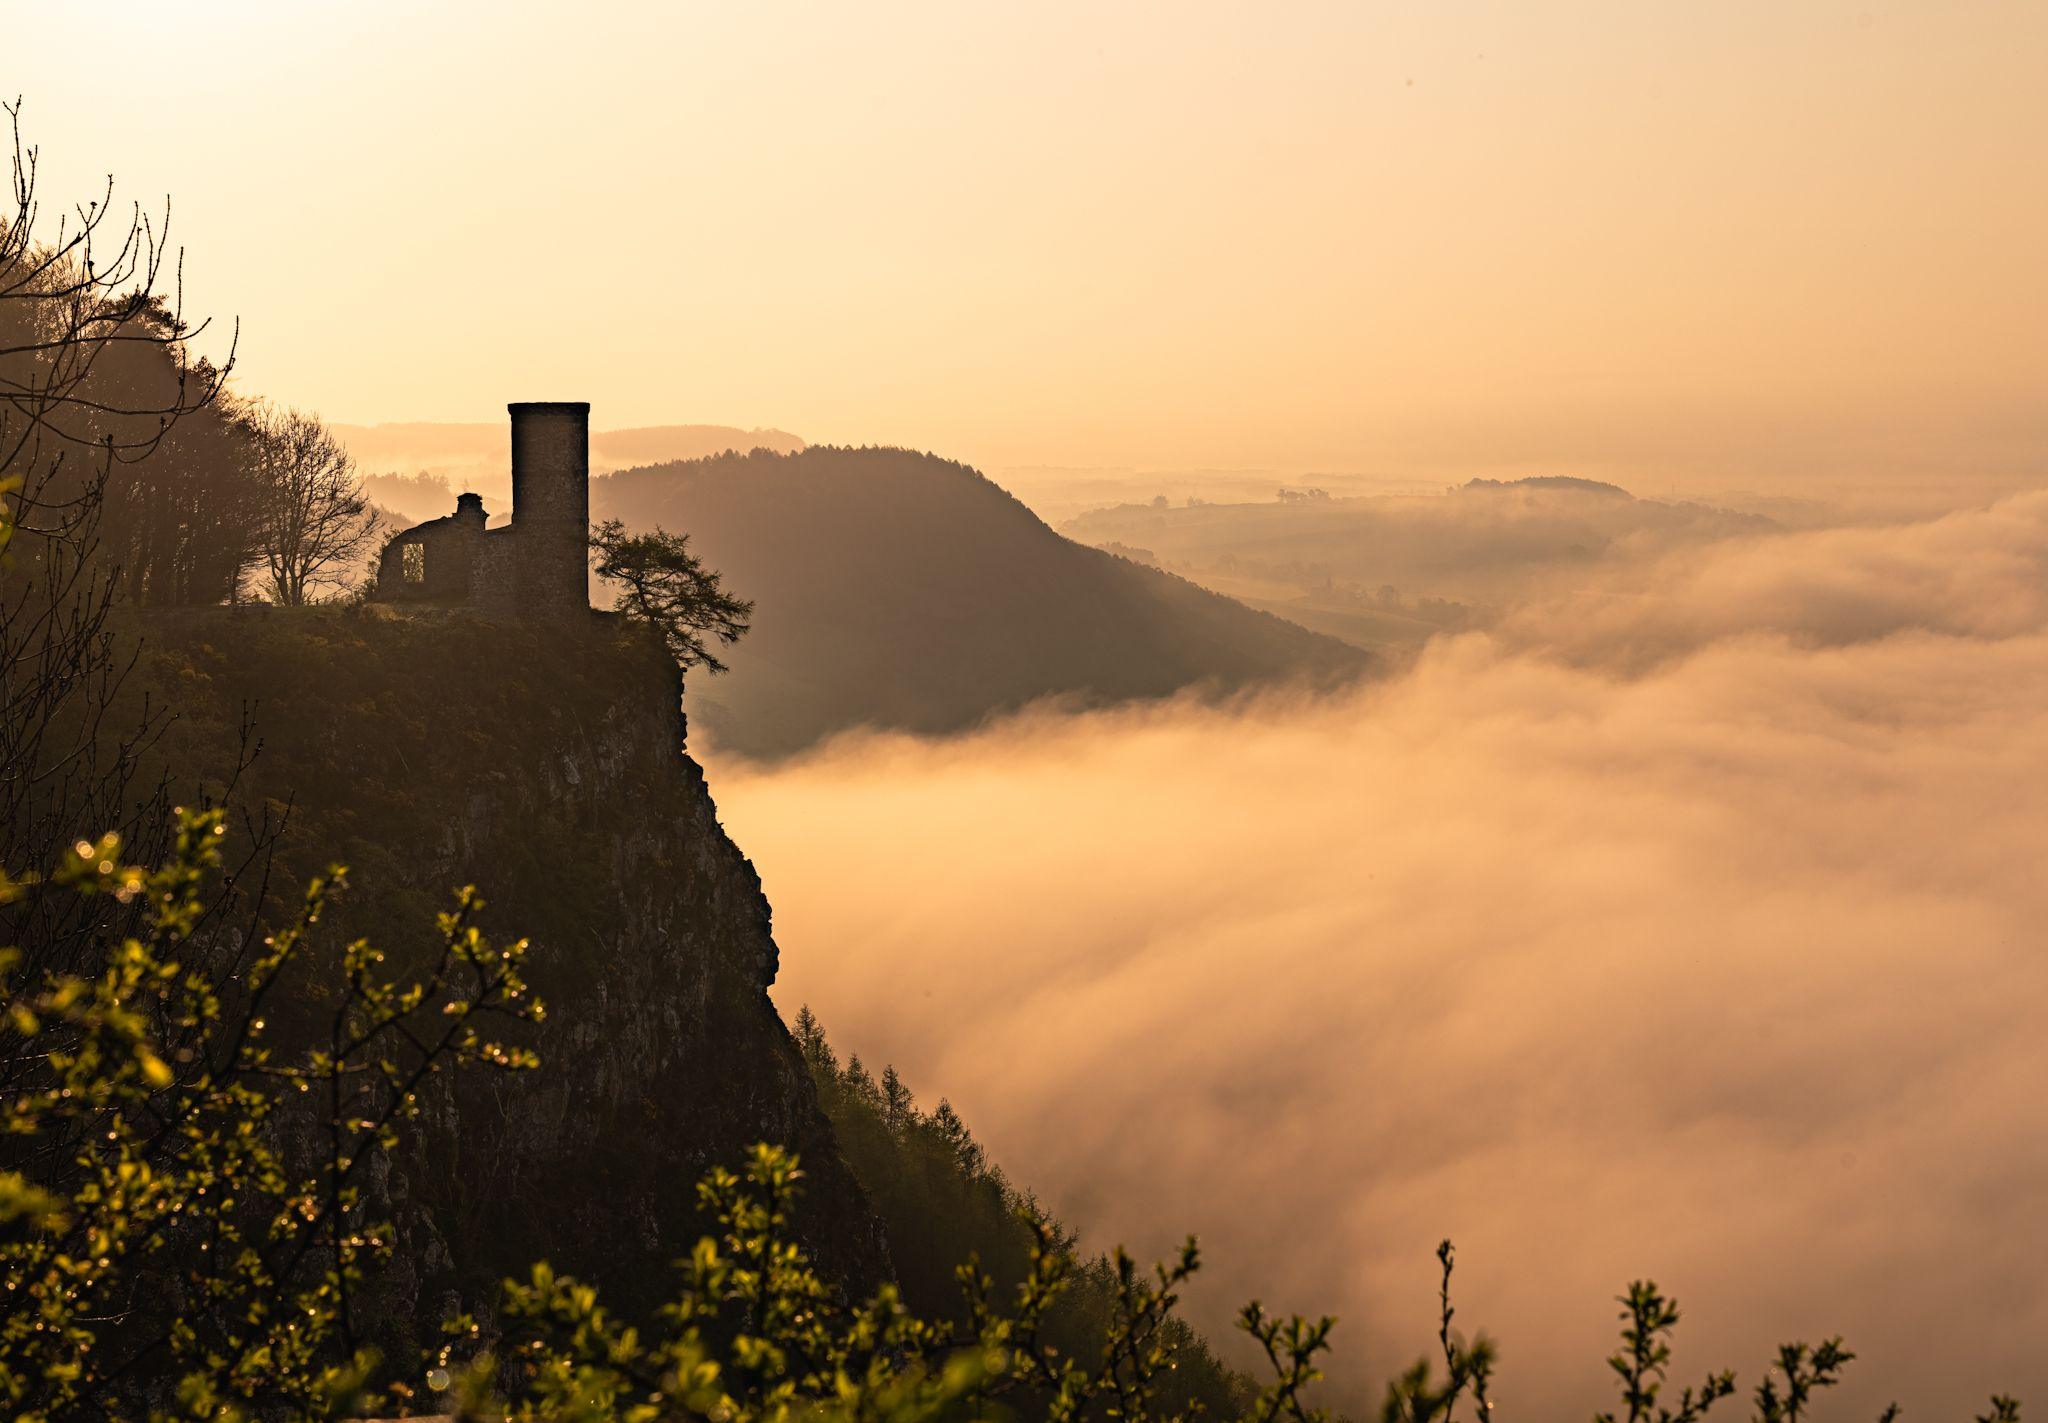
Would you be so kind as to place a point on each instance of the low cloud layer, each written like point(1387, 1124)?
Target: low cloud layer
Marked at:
point(1687, 928)
point(1980, 573)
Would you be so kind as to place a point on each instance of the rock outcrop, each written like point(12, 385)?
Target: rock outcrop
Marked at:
point(544, 764)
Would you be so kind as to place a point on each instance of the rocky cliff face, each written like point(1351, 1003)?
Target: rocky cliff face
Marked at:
point(545, 766)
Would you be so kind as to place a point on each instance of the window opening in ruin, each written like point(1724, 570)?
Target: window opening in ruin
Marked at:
point(415, 563)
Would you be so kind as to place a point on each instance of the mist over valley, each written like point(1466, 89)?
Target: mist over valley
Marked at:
point(1683, 921)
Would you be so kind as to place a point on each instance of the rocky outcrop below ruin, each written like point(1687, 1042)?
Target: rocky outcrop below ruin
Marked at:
point(546, 765)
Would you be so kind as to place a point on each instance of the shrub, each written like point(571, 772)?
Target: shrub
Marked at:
point(154, 1240)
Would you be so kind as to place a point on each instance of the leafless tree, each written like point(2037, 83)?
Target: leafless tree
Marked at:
point(79, 297)
point(316, 524)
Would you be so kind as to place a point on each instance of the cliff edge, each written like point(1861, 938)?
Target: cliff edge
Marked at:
point(546, 766)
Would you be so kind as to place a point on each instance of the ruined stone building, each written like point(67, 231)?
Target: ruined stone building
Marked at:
point(535, 566)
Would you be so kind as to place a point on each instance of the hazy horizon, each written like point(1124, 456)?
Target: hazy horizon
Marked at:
point(1745, 243)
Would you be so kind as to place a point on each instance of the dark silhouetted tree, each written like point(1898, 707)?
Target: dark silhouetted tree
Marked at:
point(662, 583)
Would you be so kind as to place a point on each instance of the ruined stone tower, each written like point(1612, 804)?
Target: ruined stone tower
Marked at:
point(535, 567)
point(551, 505)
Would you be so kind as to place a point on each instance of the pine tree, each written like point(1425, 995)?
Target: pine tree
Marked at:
point(810, 1041)
point(898, 1108)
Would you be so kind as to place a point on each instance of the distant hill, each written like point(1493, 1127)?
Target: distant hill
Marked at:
point(896, 589)
point(479, 456)
point(653, 444)
point(1483, 543)
point(1556, 483)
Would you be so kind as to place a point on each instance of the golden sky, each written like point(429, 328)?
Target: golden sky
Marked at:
point(1760, 235)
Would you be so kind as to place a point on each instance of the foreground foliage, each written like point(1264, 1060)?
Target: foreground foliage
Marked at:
point(942, 1200)
point(187, 1219)
point(755, 1333)
point(161, 1233)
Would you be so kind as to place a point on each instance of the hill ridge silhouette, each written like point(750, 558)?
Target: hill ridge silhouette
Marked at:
point(900, 590)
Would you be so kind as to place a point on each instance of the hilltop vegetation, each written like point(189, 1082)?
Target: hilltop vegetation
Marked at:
point(894, 589)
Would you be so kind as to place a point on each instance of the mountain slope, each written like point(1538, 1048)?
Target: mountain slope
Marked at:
point(895, 589)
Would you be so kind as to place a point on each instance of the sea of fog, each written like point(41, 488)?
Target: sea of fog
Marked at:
point(1688, 926)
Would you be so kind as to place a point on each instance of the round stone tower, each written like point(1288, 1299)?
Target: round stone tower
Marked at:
point(551, 505)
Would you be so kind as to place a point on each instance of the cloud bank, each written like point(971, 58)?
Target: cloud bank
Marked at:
point(1689, 927)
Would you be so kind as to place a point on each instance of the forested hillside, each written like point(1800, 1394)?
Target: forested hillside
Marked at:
point(899, 590)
